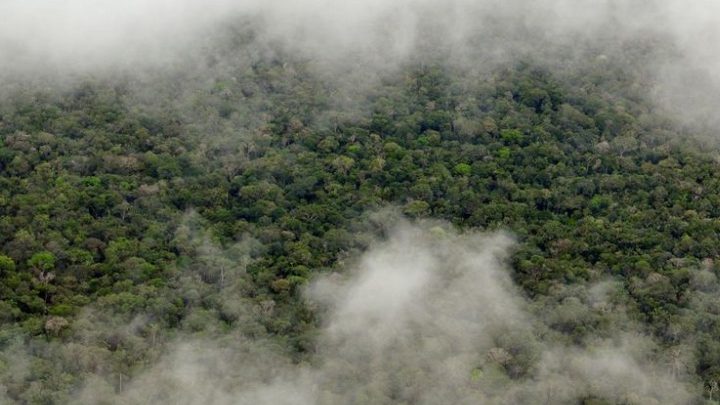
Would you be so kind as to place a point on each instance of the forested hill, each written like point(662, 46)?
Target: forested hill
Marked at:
point(175, 211)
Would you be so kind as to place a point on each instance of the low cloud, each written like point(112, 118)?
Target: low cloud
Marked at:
point(425, 316)
point(673, 44)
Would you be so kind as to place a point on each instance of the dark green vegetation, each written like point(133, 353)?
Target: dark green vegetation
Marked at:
point(107, 207)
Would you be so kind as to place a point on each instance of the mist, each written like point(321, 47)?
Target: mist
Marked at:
point(426, 315)
point(357, 41)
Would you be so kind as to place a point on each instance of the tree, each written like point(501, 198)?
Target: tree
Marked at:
point(42, 263)
point(7, 265)
point(463, 169)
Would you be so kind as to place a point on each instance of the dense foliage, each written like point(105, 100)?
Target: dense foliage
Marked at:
point(109, 207)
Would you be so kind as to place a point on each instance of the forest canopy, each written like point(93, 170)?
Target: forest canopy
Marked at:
point(254, 224)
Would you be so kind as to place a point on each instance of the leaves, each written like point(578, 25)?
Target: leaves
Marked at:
point(95, 193)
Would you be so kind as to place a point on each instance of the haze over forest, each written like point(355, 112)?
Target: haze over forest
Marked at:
point(362, 202)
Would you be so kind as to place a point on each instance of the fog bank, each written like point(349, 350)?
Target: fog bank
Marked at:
point(426, 316)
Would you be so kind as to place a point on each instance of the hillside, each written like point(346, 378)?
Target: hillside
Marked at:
point(135, 218)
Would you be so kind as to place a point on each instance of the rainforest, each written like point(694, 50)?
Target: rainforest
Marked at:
point(360, 202)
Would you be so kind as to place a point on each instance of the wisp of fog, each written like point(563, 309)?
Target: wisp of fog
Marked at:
point(103, 37)
point(425, 316)
point(428, 314)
